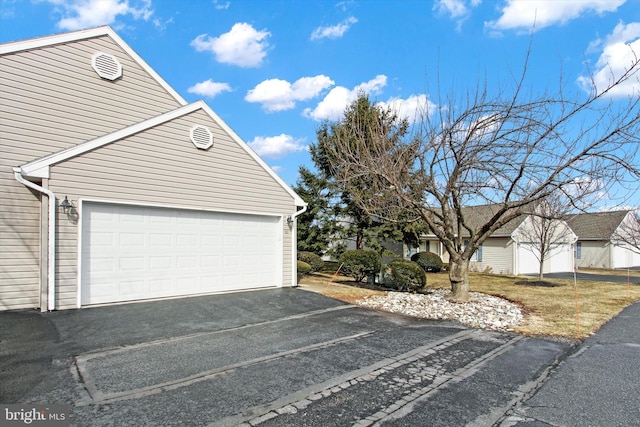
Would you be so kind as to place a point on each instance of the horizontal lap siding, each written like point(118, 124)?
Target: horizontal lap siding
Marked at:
point(51, 99)
point(161, 166)
point(19, 244)
point(55, 93)
point(497, 254)
point(594, 254)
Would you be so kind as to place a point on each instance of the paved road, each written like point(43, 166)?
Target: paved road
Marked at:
point(271, 358)
point(597, 385)
point(592, 277)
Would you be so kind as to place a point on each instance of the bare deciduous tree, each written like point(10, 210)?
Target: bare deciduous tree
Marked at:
point(545, 232)
point(628, 234)
point(510, 149)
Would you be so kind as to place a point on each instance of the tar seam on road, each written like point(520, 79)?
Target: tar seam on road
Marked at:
point(299, 400)
point(94, 395)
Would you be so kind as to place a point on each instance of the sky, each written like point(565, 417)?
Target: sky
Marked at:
point(274, 70)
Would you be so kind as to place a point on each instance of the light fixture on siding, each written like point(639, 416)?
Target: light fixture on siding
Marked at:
point(290, 221)
point(66, 206)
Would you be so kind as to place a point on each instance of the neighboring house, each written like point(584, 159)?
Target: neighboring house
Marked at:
point(116, 189)
point(511, 249)
point(597, 246)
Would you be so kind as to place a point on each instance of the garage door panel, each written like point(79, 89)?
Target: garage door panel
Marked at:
point(559, 259)
point(132, 252)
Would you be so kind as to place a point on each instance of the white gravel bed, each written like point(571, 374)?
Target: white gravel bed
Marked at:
point(482, 311)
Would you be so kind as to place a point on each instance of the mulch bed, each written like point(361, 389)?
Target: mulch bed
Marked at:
point(542, 283)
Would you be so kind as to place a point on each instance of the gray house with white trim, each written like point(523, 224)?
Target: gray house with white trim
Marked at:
point(598, 245)
point(116, 189)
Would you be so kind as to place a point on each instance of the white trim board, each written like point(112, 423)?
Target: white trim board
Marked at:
point(39, 168)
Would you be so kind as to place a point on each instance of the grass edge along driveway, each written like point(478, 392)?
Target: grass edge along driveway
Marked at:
point(558, 309)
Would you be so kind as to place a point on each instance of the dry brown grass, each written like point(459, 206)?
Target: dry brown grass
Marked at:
point(549, 311)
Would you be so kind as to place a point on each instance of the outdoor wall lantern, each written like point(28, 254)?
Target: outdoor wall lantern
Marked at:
point(66, 206)
point(290, 221)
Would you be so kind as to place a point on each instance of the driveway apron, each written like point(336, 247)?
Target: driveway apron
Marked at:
point(270, 357)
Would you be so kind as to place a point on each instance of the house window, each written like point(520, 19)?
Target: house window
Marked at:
point(578, 250)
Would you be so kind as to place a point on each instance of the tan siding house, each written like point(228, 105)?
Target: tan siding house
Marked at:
point(512, 249)
point(598, 244)
point(115, 189)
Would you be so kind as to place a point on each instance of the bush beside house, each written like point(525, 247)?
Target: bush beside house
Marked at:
point(314, 260)
point(360, 263)
point(303, 268)
point(406, 275)
point(429, 261)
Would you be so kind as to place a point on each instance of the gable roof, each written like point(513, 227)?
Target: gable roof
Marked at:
point(596, 225)
point(475, 216)
point(39, 168)
point(38, 42)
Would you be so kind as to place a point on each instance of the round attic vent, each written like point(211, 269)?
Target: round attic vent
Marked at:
point(201, 137)
point(106, 65)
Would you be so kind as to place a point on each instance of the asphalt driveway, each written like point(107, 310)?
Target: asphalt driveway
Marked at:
point(272, 357)
point(594, 277)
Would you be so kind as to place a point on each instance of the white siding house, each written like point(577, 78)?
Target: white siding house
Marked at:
point(598, 245)
point(116, 189)
point(513, 249)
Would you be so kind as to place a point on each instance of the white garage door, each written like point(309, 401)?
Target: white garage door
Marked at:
point(132, 252)
point(527, 258)
point(558, 261)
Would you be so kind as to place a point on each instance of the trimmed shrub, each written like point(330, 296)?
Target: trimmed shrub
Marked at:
point(314, 260)
point(359, 263)
point(303, 269)
point(407, 275)
point(429, 261)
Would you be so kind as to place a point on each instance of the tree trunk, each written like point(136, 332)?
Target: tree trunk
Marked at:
point(459, 278)
point(541, 271)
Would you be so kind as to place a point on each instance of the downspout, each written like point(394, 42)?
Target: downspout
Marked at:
point(51, 266)
point(294, 244)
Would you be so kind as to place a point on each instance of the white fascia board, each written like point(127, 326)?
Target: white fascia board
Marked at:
point(298, 200)
point(40, 168)
point(38, 42)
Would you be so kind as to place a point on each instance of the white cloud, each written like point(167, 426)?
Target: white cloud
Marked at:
point(453, 8)
point(280, 95)
point(162, 25)
point(458, 10)
point(209, 88)
point(79, 14)
point(522, 14)
point(413, 108)
point(243, 45)
point(276, 146)
point(335, 31)
point(618, 50)
point(333, 105)
point(220, 5)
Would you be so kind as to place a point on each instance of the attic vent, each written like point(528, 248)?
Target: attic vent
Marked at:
point(201, 137)
point(107, 66)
